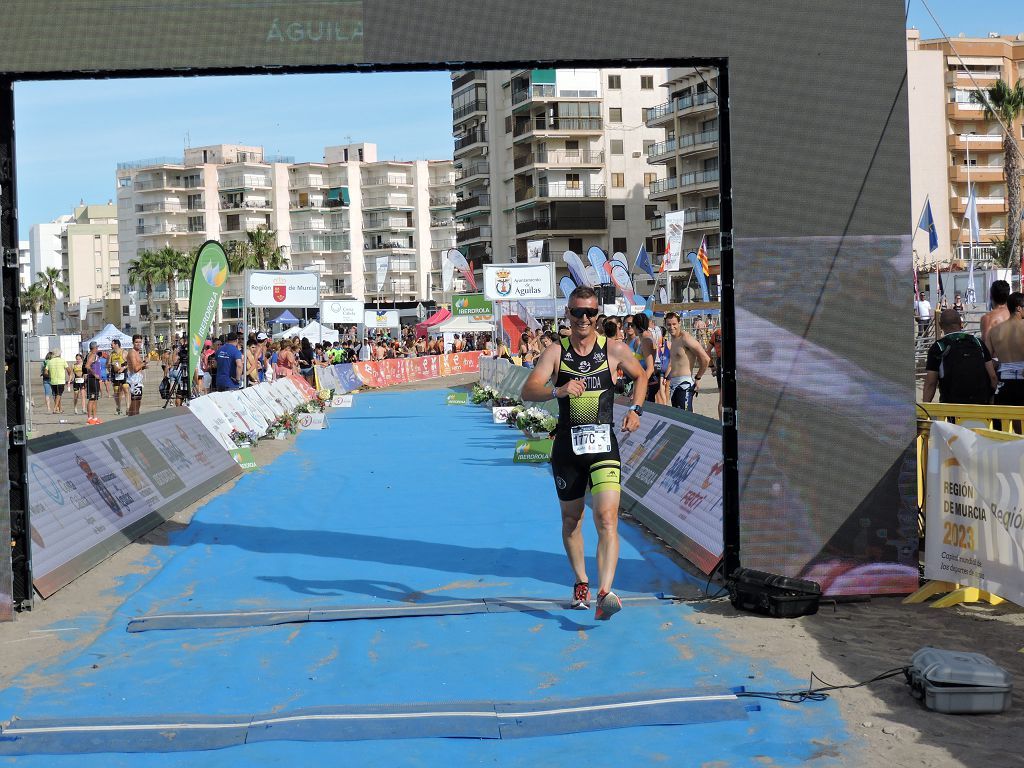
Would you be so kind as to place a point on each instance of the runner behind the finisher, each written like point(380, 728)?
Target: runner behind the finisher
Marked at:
point(585, 450)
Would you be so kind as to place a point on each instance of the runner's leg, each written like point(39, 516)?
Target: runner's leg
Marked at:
point(572, 537)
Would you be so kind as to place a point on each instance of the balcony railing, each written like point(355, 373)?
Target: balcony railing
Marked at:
point(442, 201)
point(246, 181)
point(165, 207)
point(465, 79)
point(702, 216)
point(387, 201)
point(476, 201)
point(390, 179)
point(315, 244)
point(590, 124)
point(561, 223)
point(305, 182)
point(661, 148)
point(470, 138)
point(480, 105)
point(570, 191)
point(472, 233)
point(443, 244)
point(541, 91)
point(445, 180)
point(441, 223)
point(664, 185)
point(566, 157)
point(165, 229)
point(695, 139)
point(388, 223)
point(244, 204)
point(688, 101)
point(474, 169)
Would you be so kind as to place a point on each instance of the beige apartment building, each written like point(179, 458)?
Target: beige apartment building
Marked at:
point(688, 153)
point(334, 217)
point(553, 155)
point(953, 145)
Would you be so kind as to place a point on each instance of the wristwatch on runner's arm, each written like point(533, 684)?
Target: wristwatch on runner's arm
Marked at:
point(637, 409)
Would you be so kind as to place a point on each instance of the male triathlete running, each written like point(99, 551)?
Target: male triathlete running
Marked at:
point(686, 353)
point(585, 450)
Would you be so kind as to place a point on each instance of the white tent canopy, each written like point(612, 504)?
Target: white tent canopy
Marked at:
point(313, 331)
point(461, 325)
point(104, 337)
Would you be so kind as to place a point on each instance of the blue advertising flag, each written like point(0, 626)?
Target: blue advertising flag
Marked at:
point(927, 223)
point(643, 261)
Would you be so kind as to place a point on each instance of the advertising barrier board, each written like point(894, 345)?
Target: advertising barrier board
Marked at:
point(457, 398)
point(532, 451)
point(387, 373)
point(974, 532)
point(95, 491)
point(381, 318)
point(672, 479)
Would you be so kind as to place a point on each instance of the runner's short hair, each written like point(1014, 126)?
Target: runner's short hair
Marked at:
point(641, 322)
point(583, 292)
point(137, 337)
point(669, 315)
point(1014, 302)
point(999, 292)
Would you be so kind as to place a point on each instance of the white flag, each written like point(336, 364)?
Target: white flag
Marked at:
point(447, 275)
point(382, 272)
point(675, 223)
point(972, 216)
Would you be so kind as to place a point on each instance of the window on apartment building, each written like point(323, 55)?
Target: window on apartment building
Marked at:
point(196, 223)
point(125, 182)
point(650, 211)
point(648, 143)
point(360, 154)
point(572, 181)
point(614, 82)
point(646, 82)
point(615, 114)
point(650, 178)
point(649, 244)
point(619, 244)
point(618, 180)
point(576, 244)
point(616, 146)
point(618, 213)
point(195, 202)
point(508, 124)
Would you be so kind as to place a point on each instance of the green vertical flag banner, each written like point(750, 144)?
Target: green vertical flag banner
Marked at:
point(208, 279)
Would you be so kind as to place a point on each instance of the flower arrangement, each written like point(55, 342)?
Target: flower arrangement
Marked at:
point(241, 439)
point(513, 416)
point(535, 422)
point(507, 401)
point(287, 423)
point(482, 394)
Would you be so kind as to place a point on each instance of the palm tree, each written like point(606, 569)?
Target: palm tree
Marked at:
point(32, 301)
point(259, 250)
point(171, 265)
point(1006, 103)
point(51, 288)
point(142, 272)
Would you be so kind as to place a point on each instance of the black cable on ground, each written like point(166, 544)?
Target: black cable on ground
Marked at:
point(818, 694)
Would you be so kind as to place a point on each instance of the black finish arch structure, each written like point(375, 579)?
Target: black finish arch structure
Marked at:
point(815, 218)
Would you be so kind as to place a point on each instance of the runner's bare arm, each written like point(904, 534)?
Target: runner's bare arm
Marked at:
point(931, 380)
point(538, 386)
point(647, 351)
point(703, 358)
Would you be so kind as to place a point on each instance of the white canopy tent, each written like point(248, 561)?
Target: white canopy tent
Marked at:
point(461, 325)
point(313, 331)
point(104, 337)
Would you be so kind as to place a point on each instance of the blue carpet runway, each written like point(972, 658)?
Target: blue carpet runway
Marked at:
point(407, 501)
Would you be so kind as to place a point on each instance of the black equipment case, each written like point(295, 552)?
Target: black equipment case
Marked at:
point(772, 595)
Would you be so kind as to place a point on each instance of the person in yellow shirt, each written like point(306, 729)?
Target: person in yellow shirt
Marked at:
point(57, 367)
point(118, 365)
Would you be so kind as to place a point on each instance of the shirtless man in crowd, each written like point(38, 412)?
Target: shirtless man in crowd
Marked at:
point(686, 352)
point(1006, 342)
point(999, 293)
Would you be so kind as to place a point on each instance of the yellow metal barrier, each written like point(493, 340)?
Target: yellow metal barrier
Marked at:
point(998, 422)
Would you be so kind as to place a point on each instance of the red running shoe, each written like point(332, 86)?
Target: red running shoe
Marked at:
point(581, 596)
point(608, 604)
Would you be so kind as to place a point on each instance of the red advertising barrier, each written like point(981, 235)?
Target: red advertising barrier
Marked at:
point(387, 373)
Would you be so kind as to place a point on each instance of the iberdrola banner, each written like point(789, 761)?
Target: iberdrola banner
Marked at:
point(211, 272)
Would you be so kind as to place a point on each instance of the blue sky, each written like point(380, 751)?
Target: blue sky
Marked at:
point(71, 135)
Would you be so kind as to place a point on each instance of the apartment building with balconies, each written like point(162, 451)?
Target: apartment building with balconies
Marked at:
point(335, 217)
point(553, 155)
point(688, 153)
point(953, 147)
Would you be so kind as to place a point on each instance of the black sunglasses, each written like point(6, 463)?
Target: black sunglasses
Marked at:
point(580, 312)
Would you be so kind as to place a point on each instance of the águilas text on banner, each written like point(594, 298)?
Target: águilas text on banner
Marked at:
point(510, 282)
